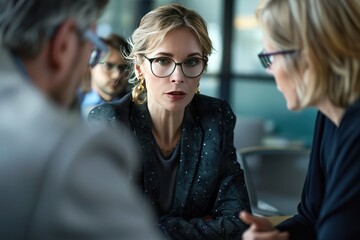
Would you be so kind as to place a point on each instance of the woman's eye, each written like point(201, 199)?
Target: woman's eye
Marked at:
point(191, 61)
point(162, 61)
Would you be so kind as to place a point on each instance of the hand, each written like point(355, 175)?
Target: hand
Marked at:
point(260, 228)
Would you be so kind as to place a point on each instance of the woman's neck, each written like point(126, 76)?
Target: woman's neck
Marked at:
point(166, 127)
point(331, 111)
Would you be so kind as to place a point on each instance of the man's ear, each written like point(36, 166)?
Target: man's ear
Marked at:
point(64, 46)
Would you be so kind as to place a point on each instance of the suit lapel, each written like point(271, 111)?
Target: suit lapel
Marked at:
point(191, 144)
point(142, 127)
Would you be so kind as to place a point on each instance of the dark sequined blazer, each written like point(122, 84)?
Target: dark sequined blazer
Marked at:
point(209, 180)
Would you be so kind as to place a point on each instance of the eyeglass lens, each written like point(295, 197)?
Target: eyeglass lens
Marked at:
point(111, 67)
point(266, 60)
point(164, 66)
point(94, 57)
point(100, 47)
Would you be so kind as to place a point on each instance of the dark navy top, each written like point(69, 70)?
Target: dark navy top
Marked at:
point(330, 203)
point(168, 167)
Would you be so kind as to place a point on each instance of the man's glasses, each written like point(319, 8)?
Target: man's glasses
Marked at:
point(111, 67)
point(99, 50)
point(267, 59)
point(191, 67)
point(99, 47)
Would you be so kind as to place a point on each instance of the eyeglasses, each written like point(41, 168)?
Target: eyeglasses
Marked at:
point(191, 67)
point(267, 59)
point(99, 47)
point(111, 67)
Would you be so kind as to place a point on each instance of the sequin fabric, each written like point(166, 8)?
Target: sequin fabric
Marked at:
point(210, 181)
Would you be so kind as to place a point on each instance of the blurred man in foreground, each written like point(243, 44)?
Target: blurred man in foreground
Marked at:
point(58, 179)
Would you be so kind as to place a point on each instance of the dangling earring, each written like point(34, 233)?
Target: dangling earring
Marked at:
point(139, 91)
point(140, 86)
point(198, 89)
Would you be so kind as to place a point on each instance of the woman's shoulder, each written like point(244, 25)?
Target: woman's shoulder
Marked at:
point(208, 101)
point(209, 104)
point(211, 109)
point(110, 110)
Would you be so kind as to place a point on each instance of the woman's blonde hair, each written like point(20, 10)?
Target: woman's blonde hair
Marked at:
point(326, 35)
point(153, 28)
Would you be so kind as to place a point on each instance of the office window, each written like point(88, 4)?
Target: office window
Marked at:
point(253, 92)
point(250, 91)
point(247, 39)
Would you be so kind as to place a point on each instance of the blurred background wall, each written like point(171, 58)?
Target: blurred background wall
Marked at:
point(234, 72)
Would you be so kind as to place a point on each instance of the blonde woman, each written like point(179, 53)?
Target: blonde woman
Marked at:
point(189, 172)
point(312, 48)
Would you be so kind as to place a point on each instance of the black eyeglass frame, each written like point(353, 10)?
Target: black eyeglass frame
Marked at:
point(265, 57)
point(177, 64)
point(99, 47)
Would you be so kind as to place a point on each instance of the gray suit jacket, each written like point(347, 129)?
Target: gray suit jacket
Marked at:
point(59, 179)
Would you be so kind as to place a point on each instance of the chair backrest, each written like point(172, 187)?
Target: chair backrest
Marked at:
point(248, 132)
point(274, 178)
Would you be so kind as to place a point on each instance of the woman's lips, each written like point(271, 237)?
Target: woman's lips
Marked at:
point(176, 95)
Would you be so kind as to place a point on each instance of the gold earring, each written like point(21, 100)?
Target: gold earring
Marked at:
point(140, 86)
point(139, 91)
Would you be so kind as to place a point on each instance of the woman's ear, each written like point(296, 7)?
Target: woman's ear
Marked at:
point(138, 71)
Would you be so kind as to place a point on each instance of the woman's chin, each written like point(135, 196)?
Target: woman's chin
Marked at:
point(293, 106)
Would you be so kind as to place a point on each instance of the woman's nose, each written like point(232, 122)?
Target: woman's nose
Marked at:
point(177, 76)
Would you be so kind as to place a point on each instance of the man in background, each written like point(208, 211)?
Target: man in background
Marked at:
point(58, 179)
point(108, 80)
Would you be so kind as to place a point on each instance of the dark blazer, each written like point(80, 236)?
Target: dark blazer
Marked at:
point(209, 180)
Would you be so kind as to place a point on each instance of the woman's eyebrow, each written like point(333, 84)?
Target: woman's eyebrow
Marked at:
point(172, 55)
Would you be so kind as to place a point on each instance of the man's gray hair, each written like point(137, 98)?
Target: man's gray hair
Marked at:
point(25, 24)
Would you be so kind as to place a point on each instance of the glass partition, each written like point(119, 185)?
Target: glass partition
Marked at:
point(251, 92)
